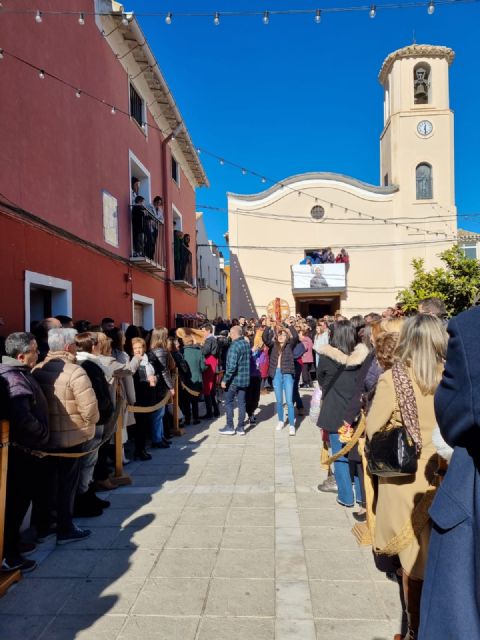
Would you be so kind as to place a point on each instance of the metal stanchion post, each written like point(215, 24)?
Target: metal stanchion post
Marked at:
point(176, 429)
point(6, 579)
point(121, 478)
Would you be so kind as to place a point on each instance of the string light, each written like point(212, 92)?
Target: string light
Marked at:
point(81, 19)
point(431, 7)
point(263, 178)
point(168, 19)
point(266, 17)
point(124, 20)
point(113, 111)
point(373, 11)
point(38, 17)
point(318, 16)
point(216, 19)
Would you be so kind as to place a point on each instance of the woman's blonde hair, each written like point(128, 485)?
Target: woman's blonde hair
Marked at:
point(159, 338)
point(422, 346)
point(140, 341)
point(105, 344)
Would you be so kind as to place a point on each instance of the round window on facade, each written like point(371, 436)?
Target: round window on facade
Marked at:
point(317, 212)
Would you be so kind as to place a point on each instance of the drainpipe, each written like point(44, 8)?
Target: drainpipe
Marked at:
point(168, 221)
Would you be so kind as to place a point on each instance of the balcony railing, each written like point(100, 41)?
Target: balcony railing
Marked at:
point(148, 240)
point(183, 265)
point(318, 278)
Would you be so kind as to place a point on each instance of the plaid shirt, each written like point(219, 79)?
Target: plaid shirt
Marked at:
point(238, 364)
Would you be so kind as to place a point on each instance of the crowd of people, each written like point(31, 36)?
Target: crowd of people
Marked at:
point(326, 256)
point(64, 385)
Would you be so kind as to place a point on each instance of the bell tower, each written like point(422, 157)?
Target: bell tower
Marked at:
point(416, 144)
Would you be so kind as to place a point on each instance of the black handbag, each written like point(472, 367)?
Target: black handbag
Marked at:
point(391, 452)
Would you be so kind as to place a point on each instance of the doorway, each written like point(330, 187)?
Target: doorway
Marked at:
point(318, 307)
point(46, 296)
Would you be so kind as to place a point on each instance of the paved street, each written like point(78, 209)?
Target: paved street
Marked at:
point(219, 538)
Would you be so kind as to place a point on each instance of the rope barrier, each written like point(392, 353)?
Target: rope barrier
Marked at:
point(360, 430)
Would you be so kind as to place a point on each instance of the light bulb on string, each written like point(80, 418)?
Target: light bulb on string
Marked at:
point(125, 20)
point(199, 151)
point(264, 180)
point(431, 8)
point(373, 11)
point(113, 111)
point(81, 19)
point(1, 54)
point(222, 161)
point(38, 17)
point(216, 19)
point(318, 16)
point(78, 93)
point(41, 74)
point(244, 172)
point(168, 19)
point(266, 17)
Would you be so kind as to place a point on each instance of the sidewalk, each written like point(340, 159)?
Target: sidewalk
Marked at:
point(218, 538)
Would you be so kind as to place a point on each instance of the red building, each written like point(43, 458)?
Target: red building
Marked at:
point(72, 140)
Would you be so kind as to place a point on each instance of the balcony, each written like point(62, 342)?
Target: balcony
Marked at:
point(318, 280)
point(183, 266)
point(148, 240)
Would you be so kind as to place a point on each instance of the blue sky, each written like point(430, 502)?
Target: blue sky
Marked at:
point(295, 96)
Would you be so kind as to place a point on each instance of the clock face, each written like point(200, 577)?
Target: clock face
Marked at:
point(424, 127)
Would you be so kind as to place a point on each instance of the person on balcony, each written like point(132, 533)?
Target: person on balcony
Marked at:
point(343, 257)
point(139, 219)
point(153, 230)
point(177, 253)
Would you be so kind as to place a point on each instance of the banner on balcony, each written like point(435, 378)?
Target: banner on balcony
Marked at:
point(318, 276)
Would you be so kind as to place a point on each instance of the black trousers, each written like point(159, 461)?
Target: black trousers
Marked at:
point(141, 430)
point(22, 488)
point(306, 377)
point(211, 405)
point(58, 481)
point(253, 395)
point(189, 406)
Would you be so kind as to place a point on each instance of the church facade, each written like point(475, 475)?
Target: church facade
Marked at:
point(276, 237)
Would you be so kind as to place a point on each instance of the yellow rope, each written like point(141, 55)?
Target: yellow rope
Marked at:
point(190, 391)
point(359, 431)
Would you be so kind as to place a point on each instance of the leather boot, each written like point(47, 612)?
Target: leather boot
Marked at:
point(412, 593)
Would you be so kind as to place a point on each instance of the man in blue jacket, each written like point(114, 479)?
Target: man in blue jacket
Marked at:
point(236, 381)
point(451, 595)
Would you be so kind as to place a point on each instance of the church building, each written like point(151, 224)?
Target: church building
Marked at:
point(382, 228)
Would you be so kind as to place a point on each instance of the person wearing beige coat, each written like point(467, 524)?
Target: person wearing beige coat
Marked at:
point(398, 515)
point(73, 414)
point(72, 405)
point(397, 497)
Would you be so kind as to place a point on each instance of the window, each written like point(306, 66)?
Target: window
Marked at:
point(317, 212)
point(421, 83)
point(137, 110)
point(110, 219)
point(470, 251)
point(175, 171)
point(423, 175)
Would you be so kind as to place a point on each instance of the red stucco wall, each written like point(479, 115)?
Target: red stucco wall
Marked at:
point(59, 152)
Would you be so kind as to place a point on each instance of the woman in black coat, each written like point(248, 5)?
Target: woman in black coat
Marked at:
point(339, 365)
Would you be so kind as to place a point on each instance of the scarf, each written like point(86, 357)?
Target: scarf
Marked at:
point(407, 403)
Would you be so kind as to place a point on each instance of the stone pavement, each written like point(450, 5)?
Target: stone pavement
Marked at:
point(219, 538)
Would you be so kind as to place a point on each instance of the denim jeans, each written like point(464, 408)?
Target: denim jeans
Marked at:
point(346, 494)
point(157, 425)
point(229, 399)
point(283, 382)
